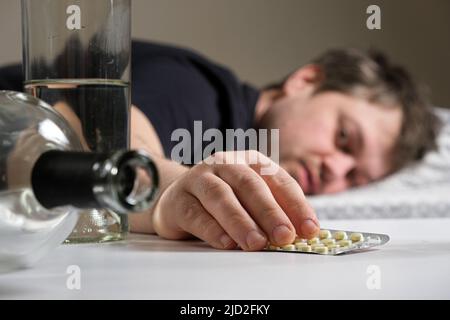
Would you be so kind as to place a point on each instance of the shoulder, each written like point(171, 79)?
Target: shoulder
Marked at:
point(183, 61)
point(11, 78)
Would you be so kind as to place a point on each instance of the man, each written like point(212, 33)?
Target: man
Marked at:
point(345, 120)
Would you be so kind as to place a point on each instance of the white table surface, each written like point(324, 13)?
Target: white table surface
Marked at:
point(414, 264)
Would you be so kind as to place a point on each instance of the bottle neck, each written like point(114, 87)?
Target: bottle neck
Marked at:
point(124, 182)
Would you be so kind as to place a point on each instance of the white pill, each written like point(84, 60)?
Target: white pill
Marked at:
point(322, 250)
point(356, 237)
point(306, 249)
point(271, 247)
point(324, 234)
point(317, 245)
point(333, 246)
point(327, 242)
point(300, 245)
point(345, 243)
point(288, 247)
point(313, 241)
point(340, 235)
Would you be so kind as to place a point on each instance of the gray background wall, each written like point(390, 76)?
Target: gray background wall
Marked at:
point(263, 40)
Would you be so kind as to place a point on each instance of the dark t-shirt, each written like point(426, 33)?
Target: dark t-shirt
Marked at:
point(175, 87)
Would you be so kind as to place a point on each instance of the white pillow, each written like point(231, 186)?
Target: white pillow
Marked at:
point(422, 190)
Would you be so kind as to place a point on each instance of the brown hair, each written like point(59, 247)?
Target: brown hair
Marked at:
point(372, 76)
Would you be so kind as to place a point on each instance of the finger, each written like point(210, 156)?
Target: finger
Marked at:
point(195, 220)
point(220, 201)
point(289, 195)
point(256, 197)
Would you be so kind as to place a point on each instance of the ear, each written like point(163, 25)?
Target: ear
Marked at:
point(302, 79)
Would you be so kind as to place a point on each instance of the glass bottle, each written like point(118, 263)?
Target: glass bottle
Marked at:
point(46, 179)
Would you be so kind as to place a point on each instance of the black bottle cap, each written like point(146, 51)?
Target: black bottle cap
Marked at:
point(61, 178)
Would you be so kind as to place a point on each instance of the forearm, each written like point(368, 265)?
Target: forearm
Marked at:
point(168, 172)
point(144, 137)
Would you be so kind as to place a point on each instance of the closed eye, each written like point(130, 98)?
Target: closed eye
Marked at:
point(343, 140)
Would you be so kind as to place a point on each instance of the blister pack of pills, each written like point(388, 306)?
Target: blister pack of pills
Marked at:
point(333, 242)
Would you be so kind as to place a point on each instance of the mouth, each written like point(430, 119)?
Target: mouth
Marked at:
point(306, 179)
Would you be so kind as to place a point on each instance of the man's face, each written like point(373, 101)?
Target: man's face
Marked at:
point(330, 141)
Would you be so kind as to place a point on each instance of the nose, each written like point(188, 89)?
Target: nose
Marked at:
point(337, 166)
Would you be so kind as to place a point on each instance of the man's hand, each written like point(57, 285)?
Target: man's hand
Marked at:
point(233, 204)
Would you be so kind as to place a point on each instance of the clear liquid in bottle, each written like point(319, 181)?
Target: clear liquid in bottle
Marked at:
point(98, 111)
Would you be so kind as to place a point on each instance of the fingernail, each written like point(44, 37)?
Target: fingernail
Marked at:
point(282, 235)
point(255, 240)
point(309, 227)
point(225, 240)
